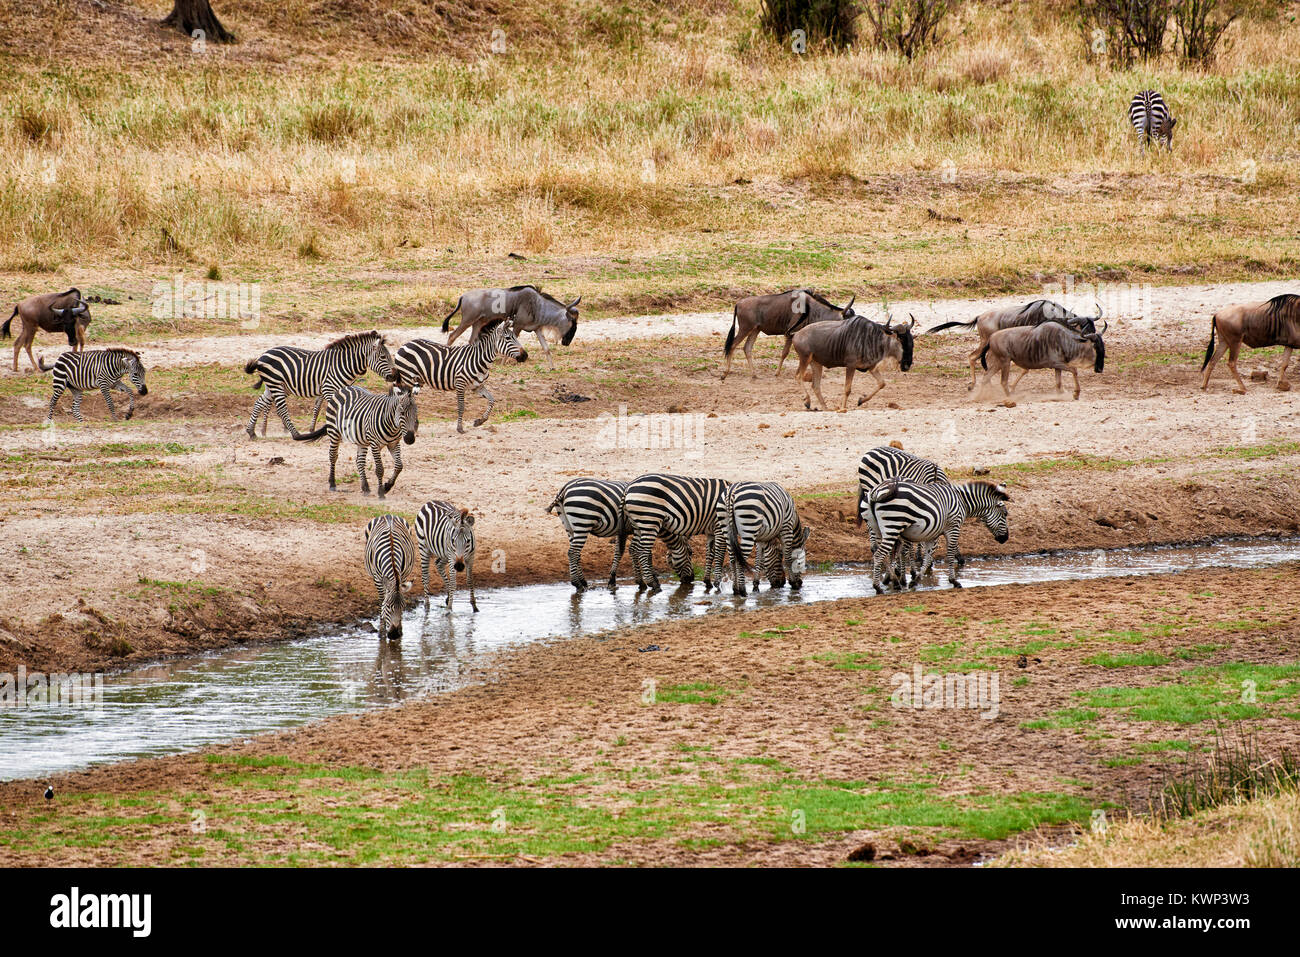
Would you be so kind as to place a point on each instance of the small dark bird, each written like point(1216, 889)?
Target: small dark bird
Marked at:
point(49, 793)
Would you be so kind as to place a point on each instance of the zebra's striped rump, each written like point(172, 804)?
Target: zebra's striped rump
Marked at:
point(886, 462)
point(1151, 119)
point(763, 514)
point(907, 511)
point(390, 556)
point(589, 506)
point(446, 534)
point(102, 369)
point(674, 508)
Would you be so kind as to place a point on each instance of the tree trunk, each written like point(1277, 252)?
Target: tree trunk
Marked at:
point(190, 15)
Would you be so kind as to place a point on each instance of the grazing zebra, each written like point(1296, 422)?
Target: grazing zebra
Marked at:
point(390, 556)
point(763, 513)
point(886, 462)
point(674, 508)
point(372, 421)
point(424, 362)
point(313, 373)
point(923, 513)
point(100, 369)
point(589, 506)
point(446, 534)
point(1151, 120)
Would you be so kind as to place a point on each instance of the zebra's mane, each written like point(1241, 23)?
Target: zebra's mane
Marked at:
point(120, 351)
point(354, 337)
point(993, 488)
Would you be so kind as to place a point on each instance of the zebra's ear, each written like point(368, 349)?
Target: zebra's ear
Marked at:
point(1002, 493)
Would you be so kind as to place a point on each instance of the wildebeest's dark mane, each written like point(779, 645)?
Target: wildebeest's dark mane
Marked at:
point(354, 337)
point(1287, 305)
point(538, 290)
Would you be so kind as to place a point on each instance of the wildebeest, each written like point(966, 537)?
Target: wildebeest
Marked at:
point(1050, 345)
point(855, 344)
point(531, 309)
point(778, 314)
point(1009, 317)
point(1257, 325)
point(64, 312)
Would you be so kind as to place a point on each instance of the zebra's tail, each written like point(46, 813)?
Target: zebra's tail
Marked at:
point(951, 325)
point(862, 501)
point(40, 361)
point(446, 323)
point(733, 540)
point(731, 336)
point(1209, 350)
point(884, 492)
point(555, 503)
point(4, 330)
point(311, 436)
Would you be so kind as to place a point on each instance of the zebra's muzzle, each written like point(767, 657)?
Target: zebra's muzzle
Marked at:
point(144, 390)
point(1001, 539)
point(460, 565)
point(523, 356)
point(409, 438)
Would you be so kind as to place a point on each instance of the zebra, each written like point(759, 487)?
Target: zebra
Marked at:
point(100, 369)
point(589, 506)
point(1151, 120)
point(923, 513)
point(372, 421)
point(674, 508)
point(314, 373)
point(886, 462)
point(446, 534)
point(424, 362)
point(763, 514)
point(390, 556)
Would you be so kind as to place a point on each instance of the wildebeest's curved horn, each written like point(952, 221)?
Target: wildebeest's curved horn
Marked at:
point(1098, 316)
point(574, 303)
point(80, 307)
point(1104, 327)
point(852, 300)
point(889, 322)
point(57, 311)
point(912, 323)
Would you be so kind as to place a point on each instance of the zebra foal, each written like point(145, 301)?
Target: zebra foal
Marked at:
point(102, 369)
point(588, 506)
point(423, 362)
point(911, 512)
point(446, 534)
point(390, 555)
point(370, 421)
point(313, 373)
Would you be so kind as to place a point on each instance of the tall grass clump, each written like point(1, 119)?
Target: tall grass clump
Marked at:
point(1235, 772)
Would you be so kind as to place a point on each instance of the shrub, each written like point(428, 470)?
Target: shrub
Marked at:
point(833, 22)
point(908, 27)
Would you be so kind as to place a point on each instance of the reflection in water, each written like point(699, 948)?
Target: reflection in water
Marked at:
point(195, 701)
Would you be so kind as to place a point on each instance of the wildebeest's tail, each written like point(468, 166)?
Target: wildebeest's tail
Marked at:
point(446, 323)
point(1209, 350)
point(731, 336)
point(4, 330)
point(568, 336)
point(733, 541)
point(984, 356)
point(951, 325)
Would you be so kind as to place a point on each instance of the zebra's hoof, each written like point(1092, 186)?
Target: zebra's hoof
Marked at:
point(580, 586)
point(955, 583)
point(473, 605)
point(478, 422)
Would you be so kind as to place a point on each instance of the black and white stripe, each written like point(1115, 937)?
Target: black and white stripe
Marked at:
point(424, 362)
point(371, 421)
point(1151, 119)
point(313, 373)
point(674, 508)
point(589, 506)
point(102, 369)
point(763, 514)
point(446, 534)
point(924, 513)
point(878, 465)
point(390, 556)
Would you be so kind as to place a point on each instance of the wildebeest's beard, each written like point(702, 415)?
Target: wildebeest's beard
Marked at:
point(1100, 348)
point(71, 329)
point(573, 330)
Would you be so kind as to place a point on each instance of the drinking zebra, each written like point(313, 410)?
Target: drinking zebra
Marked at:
point(886, 462)
point(763, 513)
point(390, 556)
point(102, 369)
point(589, 506)
point(923, 513)
point(1151, 120)
point(446, 534)
point(313, 373)
point(674, 508)
point(424, 362)
point(371, 421)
